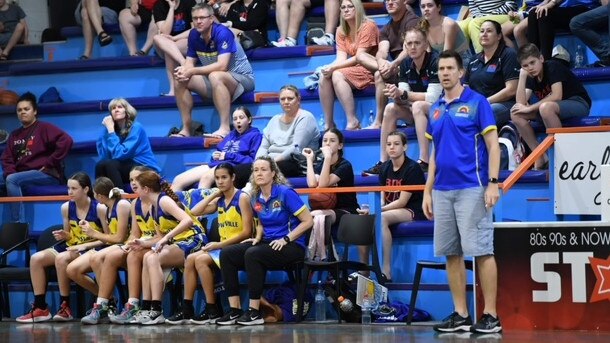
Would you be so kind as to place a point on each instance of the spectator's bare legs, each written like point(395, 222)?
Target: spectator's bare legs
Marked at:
point(184, 100)
point(16, 37)
point(420, 118)
point(520, 33)
point(282, 16)
point(456, 275)
point(223, 86)
point(152, 31)
point(391, 114)
point(508, 32)
point(389, 218)
point(128, 23)
point(370, 62)
point(488, 275)
point(87, 32)
point(173, 52)
point(331, 16)
point(327, 98)
point(183, 180)
point(297, 13)
point(93, 10)
point(344, 92)
point(550, 119)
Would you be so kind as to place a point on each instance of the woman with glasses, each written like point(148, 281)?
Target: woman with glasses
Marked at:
point(356, 34)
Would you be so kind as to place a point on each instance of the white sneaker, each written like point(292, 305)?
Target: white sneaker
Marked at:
point(137, 318)
point(284, 42)
point(324, 40)
point(153, 318)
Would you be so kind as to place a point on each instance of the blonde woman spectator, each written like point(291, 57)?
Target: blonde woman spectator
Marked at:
point(356, 34)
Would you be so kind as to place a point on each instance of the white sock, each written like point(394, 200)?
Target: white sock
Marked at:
point(102, 301)
point(133, 301)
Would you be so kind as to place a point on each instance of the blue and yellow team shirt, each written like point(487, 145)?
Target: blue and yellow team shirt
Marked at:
point(77, 235)
point(146, 223)
point(112, 218)
point(167, 223)
point(229, 217)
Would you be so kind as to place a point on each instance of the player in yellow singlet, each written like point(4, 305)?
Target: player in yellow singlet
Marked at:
point(179, 234)
point(234, 226)
point(81, 208)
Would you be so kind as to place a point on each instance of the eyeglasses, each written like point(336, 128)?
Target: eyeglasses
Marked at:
point(347, 7)
point(202, 18)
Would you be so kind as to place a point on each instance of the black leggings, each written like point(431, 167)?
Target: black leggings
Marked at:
point(255, 260)
point(541, 31)
point(115, 170)
point(242, 171)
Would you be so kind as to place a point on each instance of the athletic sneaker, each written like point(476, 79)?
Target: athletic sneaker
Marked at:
point(374, 170)
point(230, 318)
point(36, 315)
point(487, 324)
point(454, 322)
point(327, 39)
point(138, 316)
point(64, 313)
point(205, 318)
point(179, 318)
point(153, 318)
point(96, 315)
point(251, 317)
point(284, 42)
point(129, 311)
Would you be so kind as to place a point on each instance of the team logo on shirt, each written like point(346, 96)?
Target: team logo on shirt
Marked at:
point(276, 204)
point(492, 68)
point(258, 207)
point(463, 111)
point(225, 45)
point(436, 114)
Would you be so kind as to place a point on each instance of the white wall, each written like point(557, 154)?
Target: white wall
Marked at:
point(37, 17)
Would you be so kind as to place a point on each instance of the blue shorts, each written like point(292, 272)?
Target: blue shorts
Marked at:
point(191, 244)
point(462, 223)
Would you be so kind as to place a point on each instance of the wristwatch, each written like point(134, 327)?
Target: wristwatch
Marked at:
point(493, 180)
point(404, 95)
point(287, 239)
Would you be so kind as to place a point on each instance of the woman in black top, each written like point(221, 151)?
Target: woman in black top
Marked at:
point(244, 15)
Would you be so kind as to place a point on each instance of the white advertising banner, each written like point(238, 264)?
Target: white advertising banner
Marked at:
point(578, 161)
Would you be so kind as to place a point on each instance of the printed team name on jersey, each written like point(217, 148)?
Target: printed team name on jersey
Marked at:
point(463, 111)
point(228, 223)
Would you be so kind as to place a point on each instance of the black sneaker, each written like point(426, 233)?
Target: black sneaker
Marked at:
point(487, 324)
point(206, 318)
point(374, 170)
point(251, 317)
point(454, 322)
point(179, 318)
point(230, 318)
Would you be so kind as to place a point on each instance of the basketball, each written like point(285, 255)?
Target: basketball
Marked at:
point(322, 201)
point(8, 98)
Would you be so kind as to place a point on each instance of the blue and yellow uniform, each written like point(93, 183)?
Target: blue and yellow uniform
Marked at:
point(76, 233)
point(146, 223)
point(189, 240)
point(279, 214)
point(193, 196)
point(230, 222)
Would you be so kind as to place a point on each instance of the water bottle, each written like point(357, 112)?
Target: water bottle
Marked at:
point(579, 58)
point(371, 118)
point(366, 310)
point(320, 301)
point(321, 125)
point(345, 304)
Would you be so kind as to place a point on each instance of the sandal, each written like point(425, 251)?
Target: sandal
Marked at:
point(141, 53)
point(83, 57)
point(3, 57)
point(104, 39)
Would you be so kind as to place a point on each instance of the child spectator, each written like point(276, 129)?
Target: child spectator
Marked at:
point(239, 147)
point(561, 96)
